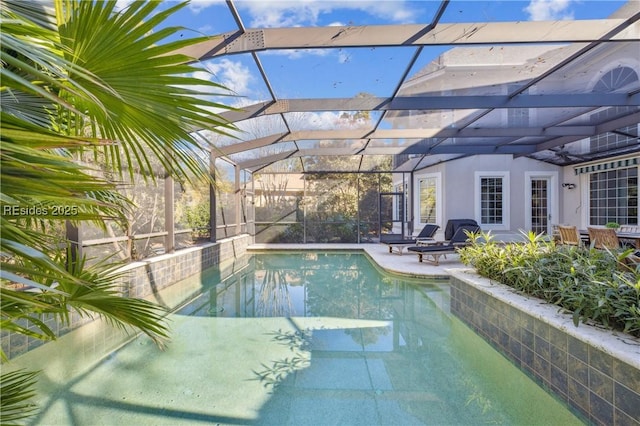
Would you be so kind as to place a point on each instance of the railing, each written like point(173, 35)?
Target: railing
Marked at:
point(160, 246)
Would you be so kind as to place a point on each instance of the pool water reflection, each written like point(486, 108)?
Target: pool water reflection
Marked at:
point(311, 338)
point(370, 348)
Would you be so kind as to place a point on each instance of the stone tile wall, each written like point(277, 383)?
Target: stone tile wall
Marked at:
point(142, 280)
point(595, 371)
point(150, 276)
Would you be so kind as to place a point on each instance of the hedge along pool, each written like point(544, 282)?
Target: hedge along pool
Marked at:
point(314, 338)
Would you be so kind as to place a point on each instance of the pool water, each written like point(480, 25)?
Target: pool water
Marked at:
point(313, 338)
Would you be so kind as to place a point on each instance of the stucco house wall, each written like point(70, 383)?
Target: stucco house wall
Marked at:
point(459, 197)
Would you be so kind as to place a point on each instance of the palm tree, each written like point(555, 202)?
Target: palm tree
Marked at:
point(83, 78)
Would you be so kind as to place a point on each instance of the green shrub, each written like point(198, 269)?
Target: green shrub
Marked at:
point(198, 217)
point(595, 285)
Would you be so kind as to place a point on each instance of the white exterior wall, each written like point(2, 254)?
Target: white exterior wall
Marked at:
point(575, 211)
point(459, 194)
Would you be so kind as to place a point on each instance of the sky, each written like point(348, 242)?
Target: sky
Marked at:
point(333, 73)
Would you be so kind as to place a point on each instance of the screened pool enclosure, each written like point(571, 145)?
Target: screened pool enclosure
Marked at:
point(381, 143)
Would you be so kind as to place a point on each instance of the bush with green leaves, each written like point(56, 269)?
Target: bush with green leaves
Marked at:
point(197, 217)
point(597, 286)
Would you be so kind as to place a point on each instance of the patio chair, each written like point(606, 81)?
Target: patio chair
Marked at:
point(432, 252)
point(426, 234)
point(604, 238)
point(626, 237)
point(454, 224)
point(569, 235)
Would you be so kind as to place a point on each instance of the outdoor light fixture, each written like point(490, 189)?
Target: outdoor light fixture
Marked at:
point(569, 185)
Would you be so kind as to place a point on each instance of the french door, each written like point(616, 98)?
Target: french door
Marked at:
point(540, 217)
point(541, 204)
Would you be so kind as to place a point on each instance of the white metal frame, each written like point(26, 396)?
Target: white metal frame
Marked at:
point(506, 201)
point(552, 197)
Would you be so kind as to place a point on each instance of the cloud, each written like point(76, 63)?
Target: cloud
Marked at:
point(233, 75)
point(270, 13)
point(343, 57)
point(298, 53)
point(123, 4)
point(321, 120)
point(549, 10)
point(327, 120)
point(288, 13)
point(196, 6)
point(205, 29)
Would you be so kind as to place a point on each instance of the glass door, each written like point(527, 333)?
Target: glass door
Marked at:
point(539, 207)
point(392, 215)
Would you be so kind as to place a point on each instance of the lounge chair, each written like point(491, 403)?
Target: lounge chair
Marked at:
point(400, 243)
point(459, 239)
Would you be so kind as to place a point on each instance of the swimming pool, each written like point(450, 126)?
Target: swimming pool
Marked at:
point(308, 338)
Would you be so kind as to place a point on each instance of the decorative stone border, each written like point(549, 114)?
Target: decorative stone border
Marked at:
point(596, 371)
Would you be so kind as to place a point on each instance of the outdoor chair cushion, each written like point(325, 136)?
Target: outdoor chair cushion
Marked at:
point(454, 224)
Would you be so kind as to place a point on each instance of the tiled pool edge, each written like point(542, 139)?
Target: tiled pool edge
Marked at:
point(597, 372)
point(142, 279)
point(147, 277)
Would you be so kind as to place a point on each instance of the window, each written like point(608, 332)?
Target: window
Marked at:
point(623, 137)
point(613, 80)
point(491, 201)
point(613, 197)
point(427, 188)
point(492, 206)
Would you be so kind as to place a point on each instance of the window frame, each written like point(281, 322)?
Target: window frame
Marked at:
point(401, 211)
point(588, 190)
point(506, 199)
point(552, 207)
point(438, 194)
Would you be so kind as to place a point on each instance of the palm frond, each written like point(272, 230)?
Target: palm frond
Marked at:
point(37, 13)
point(124, 52)
point(100, 293)
point(38, 171)
point(16, 389)
point(25, 106)
point(71, 86)
point(33, 61)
